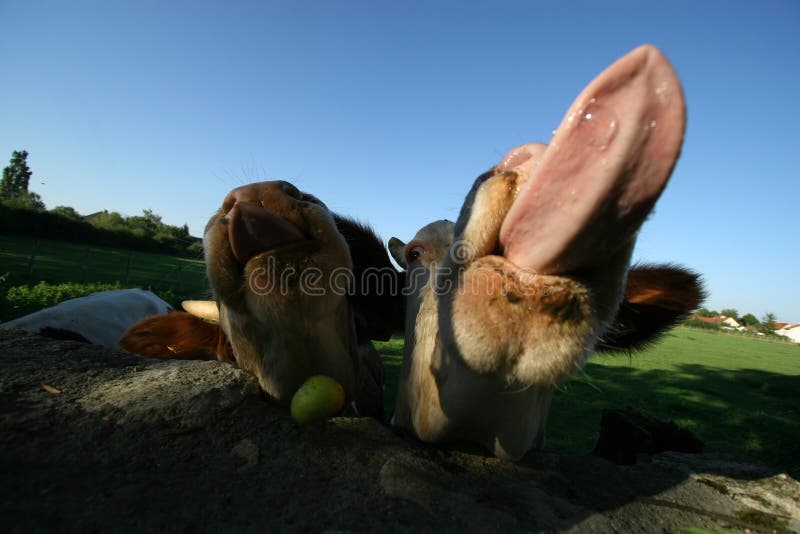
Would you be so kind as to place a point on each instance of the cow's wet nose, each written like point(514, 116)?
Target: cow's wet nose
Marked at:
point(248, 195)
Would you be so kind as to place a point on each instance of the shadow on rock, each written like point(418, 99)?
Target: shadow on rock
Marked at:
point(98, 440)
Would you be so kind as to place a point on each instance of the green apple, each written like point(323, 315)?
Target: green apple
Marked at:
point(319, 397)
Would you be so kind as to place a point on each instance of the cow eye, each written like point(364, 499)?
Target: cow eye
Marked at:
point(414, 254)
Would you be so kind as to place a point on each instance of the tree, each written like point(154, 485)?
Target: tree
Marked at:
point(750, 320)
point(730, 312)
point(178, 234)
point(768, 323)
point(146, 225)
point(195, 250)
point(108, 220)
point(16, 177)
point(704, 312)
point(27, 200)
point(68, 212)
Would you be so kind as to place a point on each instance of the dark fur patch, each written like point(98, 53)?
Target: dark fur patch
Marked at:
point(657, 297)
point(376, 295)
point(466, 208)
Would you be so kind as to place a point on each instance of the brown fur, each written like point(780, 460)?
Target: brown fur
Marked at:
point(504, 335)
point(483, 355)
point(177, 335)
point(299, 327)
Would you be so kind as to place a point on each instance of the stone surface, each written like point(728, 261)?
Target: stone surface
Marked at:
point(98, 440)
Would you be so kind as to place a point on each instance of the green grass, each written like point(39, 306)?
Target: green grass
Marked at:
point(739, 395)
point(21, 300)
point(392, 355)
point(58, 261)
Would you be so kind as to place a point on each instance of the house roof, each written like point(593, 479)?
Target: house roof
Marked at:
point(713, 320)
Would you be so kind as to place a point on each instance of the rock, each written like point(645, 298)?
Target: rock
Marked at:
point(627, 435)
point(247, 451)
point(184, 393)
point(141, 445)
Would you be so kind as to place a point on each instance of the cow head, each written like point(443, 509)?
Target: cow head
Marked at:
point(511, 299)
point(288, 277)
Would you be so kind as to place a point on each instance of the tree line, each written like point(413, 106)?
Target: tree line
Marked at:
point(22, 212)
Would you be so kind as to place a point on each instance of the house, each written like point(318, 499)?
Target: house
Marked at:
point(710, 320)
point(728, 323)
point(791, 331)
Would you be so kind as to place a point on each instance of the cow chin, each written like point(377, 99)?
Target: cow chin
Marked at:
point(533, 330)
point(532, 334)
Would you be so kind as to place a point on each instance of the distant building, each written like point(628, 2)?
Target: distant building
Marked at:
point(93, 216)
point(730, 321)
point(711, 320)
point(791, 331)
point(721, 320)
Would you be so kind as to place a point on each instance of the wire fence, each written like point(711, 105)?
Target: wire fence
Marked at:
point(31, 260)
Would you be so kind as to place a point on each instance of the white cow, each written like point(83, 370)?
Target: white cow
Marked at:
point(100, 318)
point(512, 299)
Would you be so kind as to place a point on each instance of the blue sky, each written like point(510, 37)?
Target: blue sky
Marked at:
point(388, 110)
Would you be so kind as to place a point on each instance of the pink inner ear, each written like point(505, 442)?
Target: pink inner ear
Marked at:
point(531, 153)
point(588, 193)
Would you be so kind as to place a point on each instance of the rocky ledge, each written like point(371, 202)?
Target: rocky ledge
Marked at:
point(97, 440)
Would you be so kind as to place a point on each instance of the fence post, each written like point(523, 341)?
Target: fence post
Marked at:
point(85, 265)
point(180, 278)
point(128, 269)
point(32, 259)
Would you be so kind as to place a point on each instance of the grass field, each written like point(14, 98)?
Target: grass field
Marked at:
point(739, 395)
point(58, 261)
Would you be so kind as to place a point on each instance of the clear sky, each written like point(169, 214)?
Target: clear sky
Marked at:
point(387, 110)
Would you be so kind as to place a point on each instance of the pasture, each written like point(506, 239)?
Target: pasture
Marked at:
point(58, 261)
point(739, 395)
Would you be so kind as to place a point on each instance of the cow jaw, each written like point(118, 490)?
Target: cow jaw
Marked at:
point(283, 354)
point(271, 252)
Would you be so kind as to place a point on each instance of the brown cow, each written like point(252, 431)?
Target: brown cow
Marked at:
point(282, 269)
point(511, 299)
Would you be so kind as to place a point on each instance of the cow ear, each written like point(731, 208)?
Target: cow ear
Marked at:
point(657, 297)
point(204, 309)
point(398, 251)
point(177, 335)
